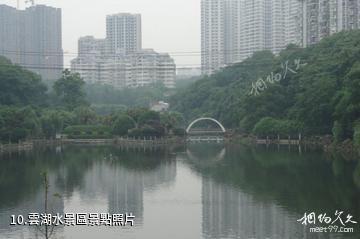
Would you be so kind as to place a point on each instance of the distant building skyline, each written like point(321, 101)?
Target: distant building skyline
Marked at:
point(322, 18)
point(167, 26)
point(166, 33)
point(119, 60)
point(32, 38)
point(232, 30)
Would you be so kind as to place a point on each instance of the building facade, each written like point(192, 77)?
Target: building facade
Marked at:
point(232, 30)
point(322, 18)
point(11, 28)
point(89, 45)
point(212, 35)
point(126, 71)
point(150, 67)
point(119, 60)
point(123, 33)
point(32, 38)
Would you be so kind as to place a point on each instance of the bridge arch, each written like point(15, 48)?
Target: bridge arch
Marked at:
point(205, 119)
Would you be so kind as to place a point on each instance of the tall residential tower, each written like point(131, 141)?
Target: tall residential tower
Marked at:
point(119, 60)
point(321, 18)
point(32, 38)
point(123, 33)
point(232, 30)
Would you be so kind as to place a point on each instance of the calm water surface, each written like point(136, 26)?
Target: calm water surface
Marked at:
point(199, 191)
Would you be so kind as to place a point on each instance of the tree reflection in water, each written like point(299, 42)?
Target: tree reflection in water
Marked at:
point(259, 193)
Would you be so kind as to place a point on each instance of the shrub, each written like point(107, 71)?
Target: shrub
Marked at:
point(272, 127)
point(88, 132)
point(147, 131)
point(179, 132)
point(266, 127)
point(122, 125)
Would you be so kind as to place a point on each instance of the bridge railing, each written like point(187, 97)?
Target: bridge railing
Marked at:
point(205, 119)
point(205, 139)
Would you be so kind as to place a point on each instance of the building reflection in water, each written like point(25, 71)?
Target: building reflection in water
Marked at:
point(124, 176)
point(114, 178)
point(230, 213)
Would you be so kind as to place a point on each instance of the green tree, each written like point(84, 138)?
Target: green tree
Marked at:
point(20, 86)
point(122, 125)
point(172, 120)
point(30, 121)
point(308, 98)
point(98, 94)
point(147, 131)
point(149, 117)
point(69, 90)
point(266, 127)
point(18, 124)
point(55, 121)
point(136, 113)
point(85, 115)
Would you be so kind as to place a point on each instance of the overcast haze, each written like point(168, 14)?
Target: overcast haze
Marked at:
point(167, 25)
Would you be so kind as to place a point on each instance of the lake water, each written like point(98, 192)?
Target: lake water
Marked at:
point(198, 191)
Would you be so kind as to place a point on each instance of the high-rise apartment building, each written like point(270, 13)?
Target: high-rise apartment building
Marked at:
point(217, 29)
point(32, 38)
point(123, 33)
point(151, 67)
point(232, 30)
point(11, 28)
point(292, 12)
point(255, 27)
point(88, 46)
point(321, 18)
point(118, 60)
point(131, 70)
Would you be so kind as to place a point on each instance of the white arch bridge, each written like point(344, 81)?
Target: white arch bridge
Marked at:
point(205, 135)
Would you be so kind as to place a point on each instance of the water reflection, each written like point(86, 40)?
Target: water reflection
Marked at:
point(233, 191)
point(228, 213)
point(112, 177)
point(262, 193)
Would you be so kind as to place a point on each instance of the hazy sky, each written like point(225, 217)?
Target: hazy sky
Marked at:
point(167, 25)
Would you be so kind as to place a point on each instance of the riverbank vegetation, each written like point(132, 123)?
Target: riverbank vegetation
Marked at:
point(313, 91)
point(105, 99)
point(29, 110)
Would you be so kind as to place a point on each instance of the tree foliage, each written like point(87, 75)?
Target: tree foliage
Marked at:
point(69, 90)
point(19, 86)
point(268, 126)
point(321, 97)
point(130, 97)
point(18, 123)
point(122, 125)
point(54, 121)
point(28, 111)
